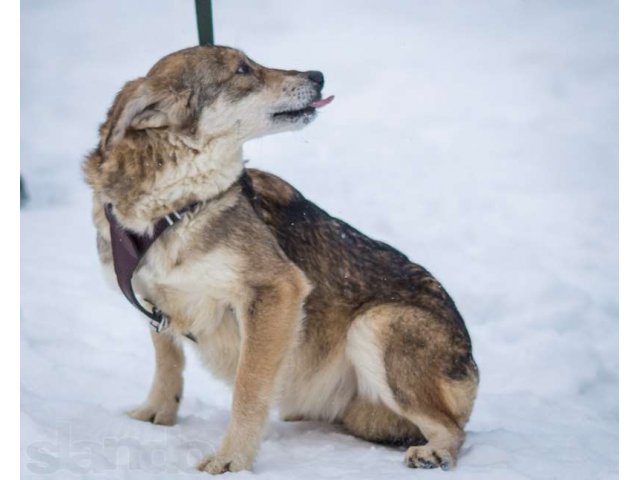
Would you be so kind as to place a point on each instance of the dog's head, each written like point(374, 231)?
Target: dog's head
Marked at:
point(214, 92)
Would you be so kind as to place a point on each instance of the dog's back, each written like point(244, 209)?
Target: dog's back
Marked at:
point(344, 264)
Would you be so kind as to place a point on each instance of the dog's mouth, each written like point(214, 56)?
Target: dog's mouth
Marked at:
point(304, 113)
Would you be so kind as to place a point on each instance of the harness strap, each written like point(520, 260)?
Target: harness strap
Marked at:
point(128, 248)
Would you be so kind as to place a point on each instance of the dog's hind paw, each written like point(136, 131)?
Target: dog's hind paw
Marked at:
point(426, 456)
point(158, 415)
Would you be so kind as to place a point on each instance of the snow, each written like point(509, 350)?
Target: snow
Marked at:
point(480, 138)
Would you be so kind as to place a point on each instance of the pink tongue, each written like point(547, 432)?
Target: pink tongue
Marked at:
point(322, 103)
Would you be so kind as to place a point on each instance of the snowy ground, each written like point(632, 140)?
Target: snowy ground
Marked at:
point(478, 137)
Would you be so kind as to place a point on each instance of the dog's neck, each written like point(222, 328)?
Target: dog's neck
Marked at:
point(178, 174)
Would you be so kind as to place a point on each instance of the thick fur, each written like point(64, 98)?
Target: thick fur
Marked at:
point(284, 302)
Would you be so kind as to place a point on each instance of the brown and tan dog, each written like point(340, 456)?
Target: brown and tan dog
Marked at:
point(284, 301)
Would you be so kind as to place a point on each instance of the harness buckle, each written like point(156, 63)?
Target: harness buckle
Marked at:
point(160, 320)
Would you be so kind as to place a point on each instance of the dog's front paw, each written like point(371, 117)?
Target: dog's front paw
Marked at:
point(156, 414)
point(220, 463)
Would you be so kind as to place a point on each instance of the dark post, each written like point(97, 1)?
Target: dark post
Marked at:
point(23, 193)
point(204, 16)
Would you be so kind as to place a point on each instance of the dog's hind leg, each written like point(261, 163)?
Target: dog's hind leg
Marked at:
point(161, 406)
point(377, 423)
point(420, 368)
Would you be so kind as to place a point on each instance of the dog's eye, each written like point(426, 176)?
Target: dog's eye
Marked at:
point(243, 69)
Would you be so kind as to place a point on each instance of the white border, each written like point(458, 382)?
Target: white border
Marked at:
point(10, 248)
point(629, 236)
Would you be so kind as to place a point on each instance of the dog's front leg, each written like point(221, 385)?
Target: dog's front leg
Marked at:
point(161, 406)
point(269, 325)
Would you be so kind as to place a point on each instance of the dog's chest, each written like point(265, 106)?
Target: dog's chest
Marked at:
point(194, 289)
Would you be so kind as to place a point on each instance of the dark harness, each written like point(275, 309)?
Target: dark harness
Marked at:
point(128, 248)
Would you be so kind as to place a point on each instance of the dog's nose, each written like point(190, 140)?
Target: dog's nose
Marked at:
point(315, 77)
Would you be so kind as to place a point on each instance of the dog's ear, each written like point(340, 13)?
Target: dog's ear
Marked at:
point(140, 105)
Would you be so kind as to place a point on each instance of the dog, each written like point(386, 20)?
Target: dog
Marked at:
point(281, 300)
